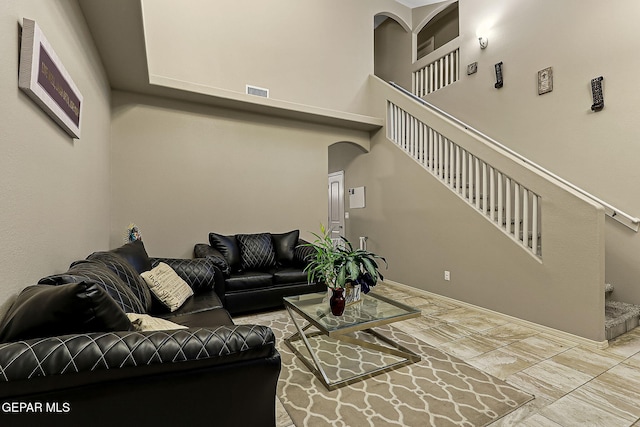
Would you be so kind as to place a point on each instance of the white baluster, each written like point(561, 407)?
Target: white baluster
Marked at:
point(508, 205)
point(534, 224)
point(492, 194)
point(525, 217)
point(477, 183)
point(485, 193)
point(500, 200)
point(463, 180)
point(412, 135)
point(458, 178)
point(445, 171)
point(453, 181)
point(516, 216)
point(445, 81)
point(457, 75)
point(432, 150)
point(416, 154)
point(392, 120)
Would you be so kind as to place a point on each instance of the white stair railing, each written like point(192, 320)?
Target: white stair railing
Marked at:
point(513, 208)
point(437, 74)
point(611, 211)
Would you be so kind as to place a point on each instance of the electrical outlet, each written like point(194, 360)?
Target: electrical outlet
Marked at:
point(447, 275)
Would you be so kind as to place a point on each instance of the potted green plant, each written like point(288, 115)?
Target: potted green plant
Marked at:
point(340, 265)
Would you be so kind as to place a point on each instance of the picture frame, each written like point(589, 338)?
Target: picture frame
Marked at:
point(46, 81)
point(472, 68)
point(545, 80)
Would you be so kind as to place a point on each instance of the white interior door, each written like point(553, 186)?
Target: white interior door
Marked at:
point(336, 204)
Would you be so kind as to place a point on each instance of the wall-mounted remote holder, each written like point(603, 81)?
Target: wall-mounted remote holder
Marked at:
point(499, 81)
point(596, 92)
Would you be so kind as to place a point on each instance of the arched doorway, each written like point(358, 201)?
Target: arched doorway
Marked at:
point(340, 157)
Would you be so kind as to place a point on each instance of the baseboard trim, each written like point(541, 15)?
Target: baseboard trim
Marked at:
point(598, 345)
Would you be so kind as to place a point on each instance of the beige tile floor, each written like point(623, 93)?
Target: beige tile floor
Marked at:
point(573, 385)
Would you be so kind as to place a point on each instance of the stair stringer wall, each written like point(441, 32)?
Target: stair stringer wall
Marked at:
point(423, 228)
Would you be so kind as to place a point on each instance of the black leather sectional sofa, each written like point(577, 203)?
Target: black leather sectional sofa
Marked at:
point(258, 269)
point(69, 355)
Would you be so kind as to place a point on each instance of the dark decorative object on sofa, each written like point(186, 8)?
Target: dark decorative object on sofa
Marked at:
point(259, 269)
point(68, 342)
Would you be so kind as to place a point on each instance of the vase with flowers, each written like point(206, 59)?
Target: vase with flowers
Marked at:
point(340, 266)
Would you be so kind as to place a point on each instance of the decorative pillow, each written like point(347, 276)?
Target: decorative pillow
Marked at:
point(198, 273)
point(228, 247)
point(144, 322)
point(167, 286)
point(97, 272)
point(135, 254)
point(285, 245)
point(256, 251)
point(44, 311)
point(303, 254)
point(127, 274)
point(203, 250)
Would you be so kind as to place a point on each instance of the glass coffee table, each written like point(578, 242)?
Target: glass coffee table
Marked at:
point(345, 349)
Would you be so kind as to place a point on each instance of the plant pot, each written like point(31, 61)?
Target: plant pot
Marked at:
point(352, 293)
point(337, 301)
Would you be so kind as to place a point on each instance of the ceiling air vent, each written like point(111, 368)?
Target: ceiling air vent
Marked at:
point(257, 91)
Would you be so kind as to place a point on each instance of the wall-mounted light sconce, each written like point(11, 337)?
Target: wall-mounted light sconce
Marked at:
point(484, 42)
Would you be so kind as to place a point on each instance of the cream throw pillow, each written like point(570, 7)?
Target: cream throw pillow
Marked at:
point(144, 322)
point(167, 286)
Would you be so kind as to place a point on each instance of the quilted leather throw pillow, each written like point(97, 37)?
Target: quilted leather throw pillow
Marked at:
point(228, 247)
point(256, 251)
point(285, 245)
point(103, 276)
point(74, 308)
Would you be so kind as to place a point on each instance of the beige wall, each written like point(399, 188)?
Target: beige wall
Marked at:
point(54, 190)
point(596, 151)
point(309, 52)
point(183, 170)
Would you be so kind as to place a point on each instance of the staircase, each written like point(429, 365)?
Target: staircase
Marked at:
point(501, 193)
point(512, 207)
point(620, 317)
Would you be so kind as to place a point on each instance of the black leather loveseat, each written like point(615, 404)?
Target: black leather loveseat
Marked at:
point(69, 355)
point(259, 269)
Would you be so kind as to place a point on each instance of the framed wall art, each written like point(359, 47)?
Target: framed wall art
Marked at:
point(545, 81)
point(43, 77)
point(472, 68)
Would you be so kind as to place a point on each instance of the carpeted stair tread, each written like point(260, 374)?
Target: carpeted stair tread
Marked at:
point(620, 317)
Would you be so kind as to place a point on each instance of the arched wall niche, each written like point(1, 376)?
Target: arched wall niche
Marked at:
point(435, 12)
point(423, 45)
point(395, 17)
point(342, 153)
point(393, 45)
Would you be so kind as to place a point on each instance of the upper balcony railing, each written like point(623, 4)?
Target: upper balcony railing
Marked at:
point(437, 74)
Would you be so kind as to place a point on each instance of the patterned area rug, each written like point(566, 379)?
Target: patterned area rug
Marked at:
point(440, 390)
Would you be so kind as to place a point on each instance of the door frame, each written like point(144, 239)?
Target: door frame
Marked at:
point(339, 178)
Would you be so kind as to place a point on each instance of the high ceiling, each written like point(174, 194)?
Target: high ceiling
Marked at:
point(418, 3)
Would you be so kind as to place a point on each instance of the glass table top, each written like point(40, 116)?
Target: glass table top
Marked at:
point(372, 310)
